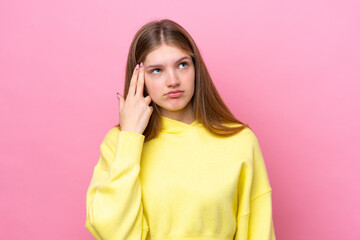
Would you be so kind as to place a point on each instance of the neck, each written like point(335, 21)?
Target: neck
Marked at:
point(185, 115)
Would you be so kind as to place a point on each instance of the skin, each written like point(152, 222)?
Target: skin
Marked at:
point(172, 72)
point(135, 112)
point(171, 75)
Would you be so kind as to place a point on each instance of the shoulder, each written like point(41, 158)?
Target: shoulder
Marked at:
point(249, 134)
point(245, 135)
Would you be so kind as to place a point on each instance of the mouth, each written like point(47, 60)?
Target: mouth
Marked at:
point(174, 93)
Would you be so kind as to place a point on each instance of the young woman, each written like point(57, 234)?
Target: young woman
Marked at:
point(179, 165)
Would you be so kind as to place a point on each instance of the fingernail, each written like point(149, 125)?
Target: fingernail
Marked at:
point(141, 64)
point(118, 96)
point(137, 66)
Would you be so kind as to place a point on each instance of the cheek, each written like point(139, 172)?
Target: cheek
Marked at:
point(152, 87)
point(190, 78)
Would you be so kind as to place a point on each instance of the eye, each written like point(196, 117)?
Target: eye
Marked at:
point(184, 63)
point(155, 69)
point(152, 71)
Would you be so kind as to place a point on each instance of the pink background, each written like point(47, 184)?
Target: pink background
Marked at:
point(288, 68)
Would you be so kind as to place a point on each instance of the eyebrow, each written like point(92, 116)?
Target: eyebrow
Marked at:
point(160, 65)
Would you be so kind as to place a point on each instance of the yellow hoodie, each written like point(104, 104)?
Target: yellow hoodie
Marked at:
point(184, 184)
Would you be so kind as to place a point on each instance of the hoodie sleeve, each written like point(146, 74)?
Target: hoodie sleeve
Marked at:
point(114, 208)
point(255, 221)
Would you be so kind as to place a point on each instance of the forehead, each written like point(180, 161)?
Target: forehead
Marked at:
point(164, 54)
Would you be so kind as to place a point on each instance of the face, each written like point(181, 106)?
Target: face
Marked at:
point(169, 69)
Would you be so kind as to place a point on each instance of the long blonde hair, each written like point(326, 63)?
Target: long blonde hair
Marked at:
point(209, 109)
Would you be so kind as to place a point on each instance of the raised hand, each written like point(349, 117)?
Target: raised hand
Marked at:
point(135, 112)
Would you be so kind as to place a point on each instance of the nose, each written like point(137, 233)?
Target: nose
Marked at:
point(172, 79)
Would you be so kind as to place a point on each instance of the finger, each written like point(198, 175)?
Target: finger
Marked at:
point(147, 99)
point(118, 97)
point(140, 81)
point(132, 87)
point(121, 102)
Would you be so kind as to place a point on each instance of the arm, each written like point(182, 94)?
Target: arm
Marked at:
point(254, 220)
point(260, 218)
point(113, 201)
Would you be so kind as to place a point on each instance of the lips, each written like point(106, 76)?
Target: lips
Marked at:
point(174, 93)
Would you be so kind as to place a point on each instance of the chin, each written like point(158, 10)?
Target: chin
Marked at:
point(174, 107)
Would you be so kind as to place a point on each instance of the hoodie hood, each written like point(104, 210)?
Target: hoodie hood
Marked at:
point(174, 126)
